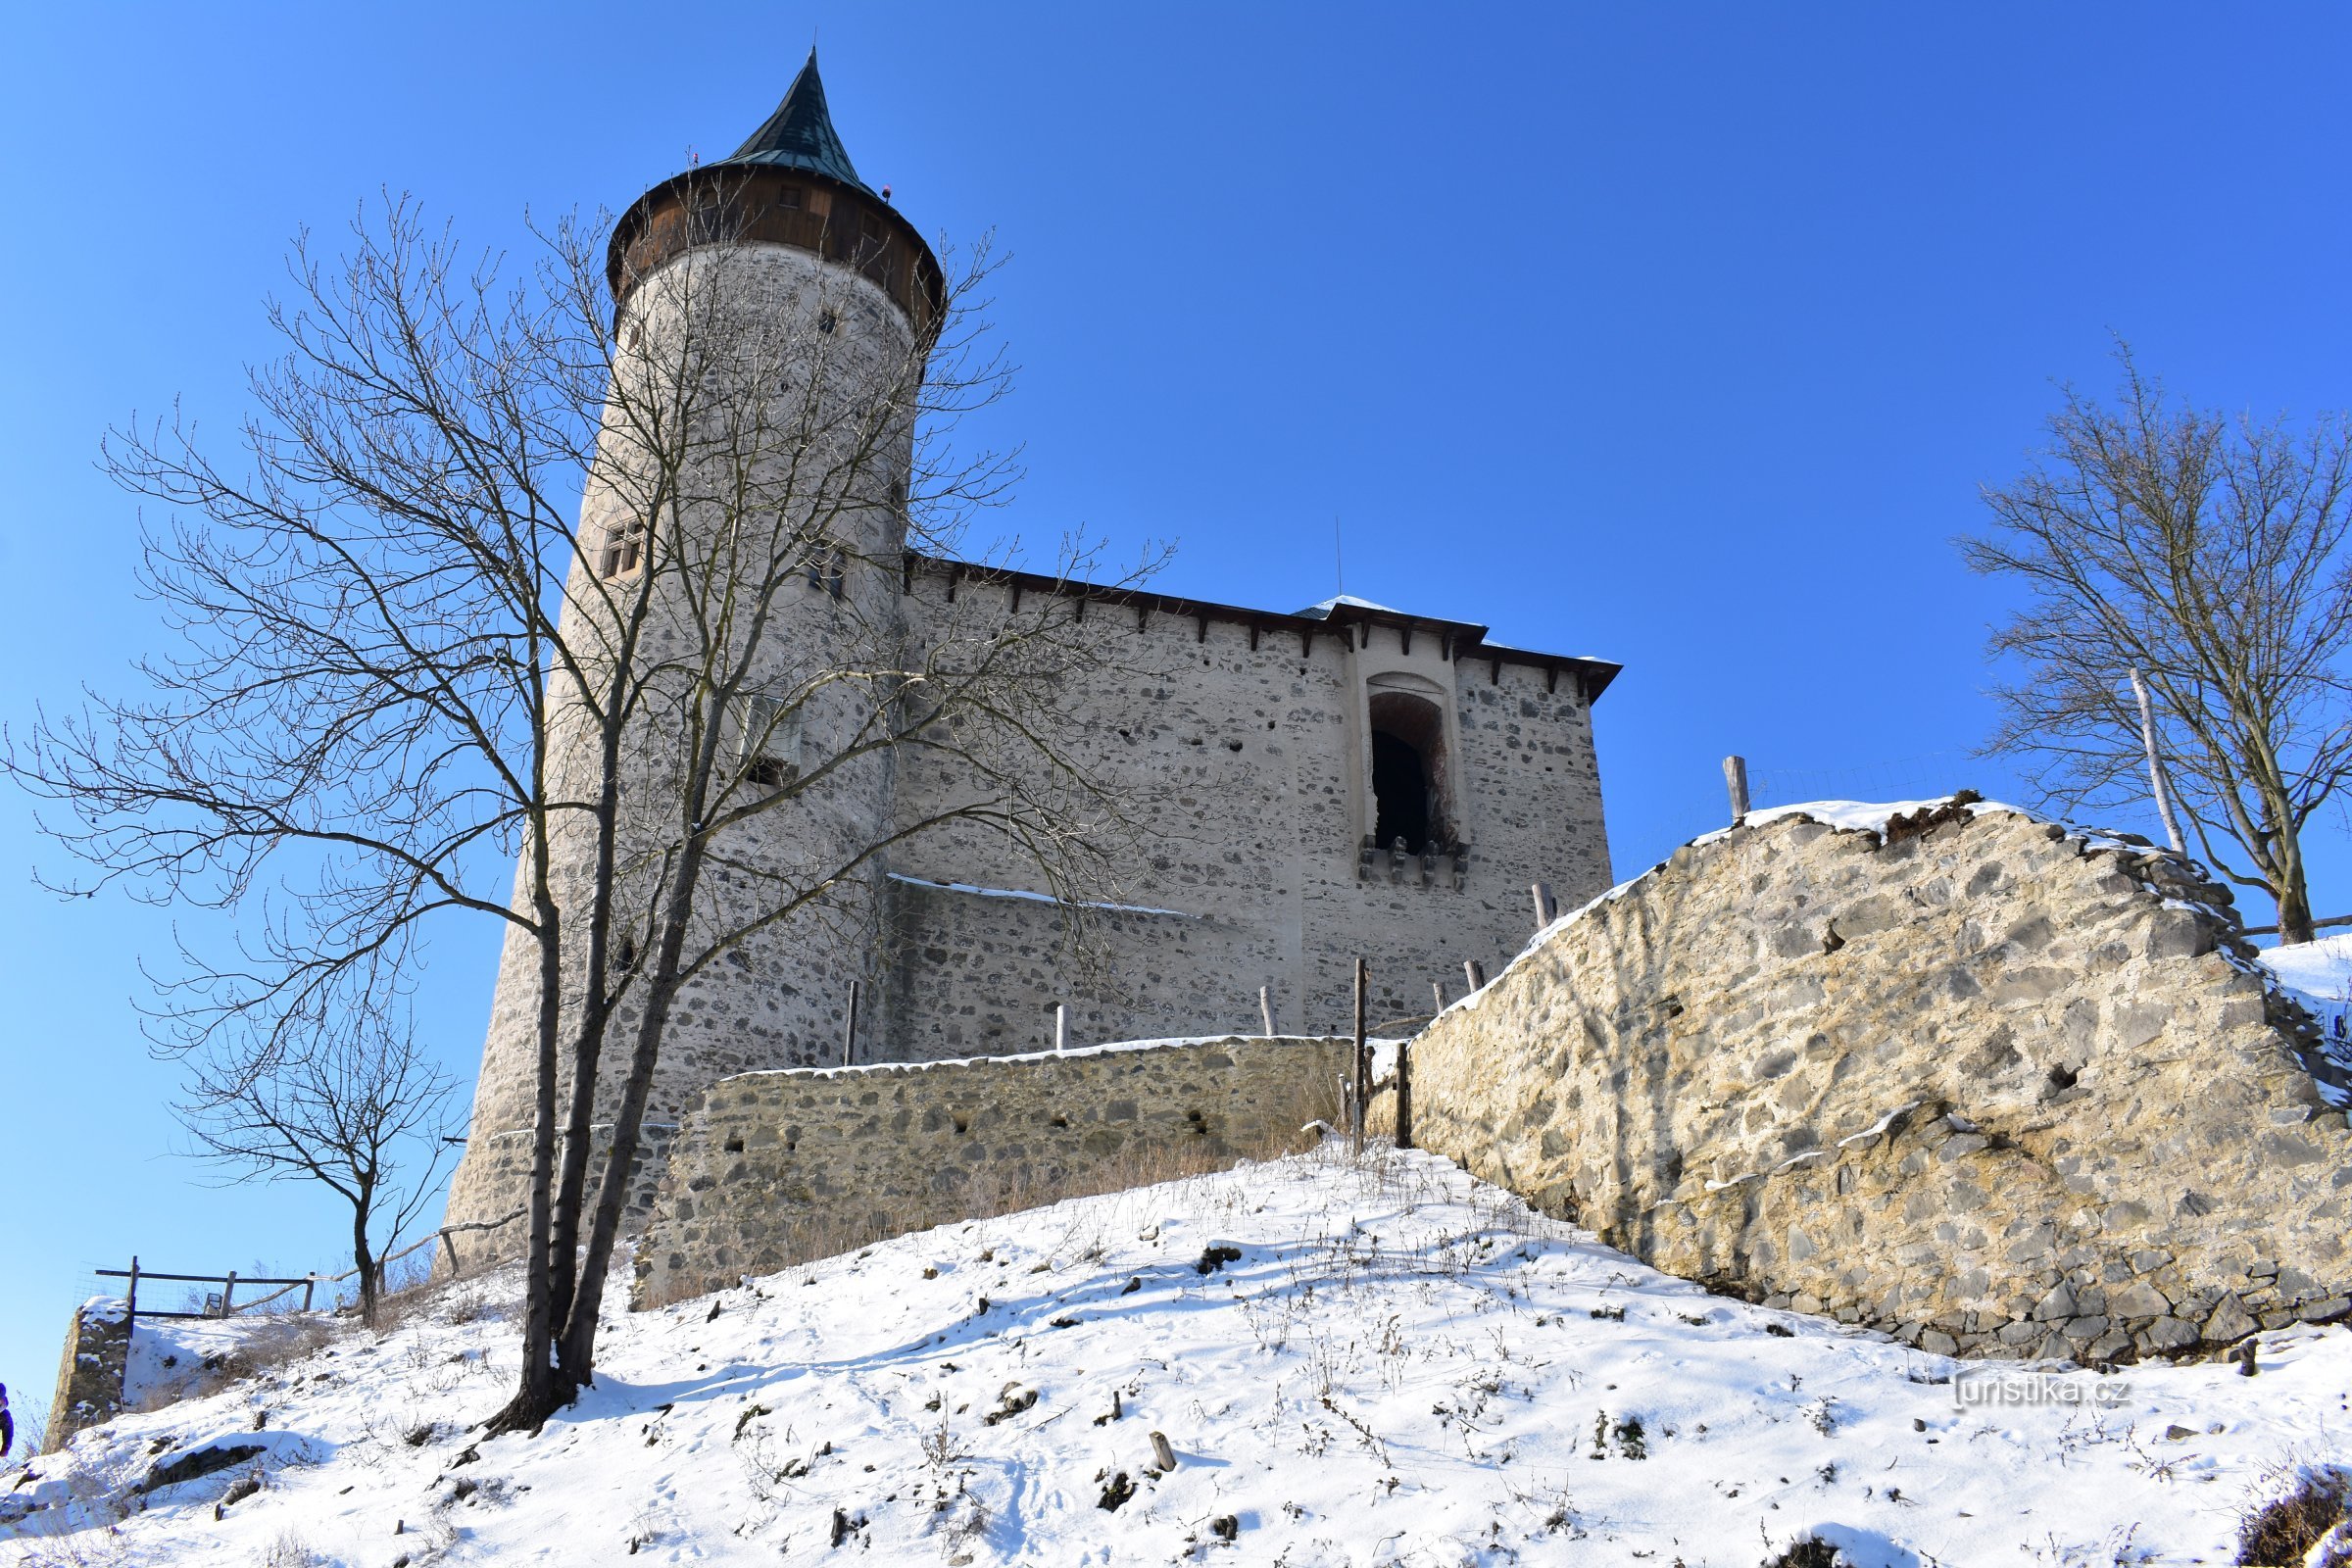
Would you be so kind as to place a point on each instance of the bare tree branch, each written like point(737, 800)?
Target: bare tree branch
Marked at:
point(2207, 554)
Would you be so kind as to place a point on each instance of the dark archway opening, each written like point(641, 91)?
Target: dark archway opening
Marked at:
point(1400, 787)
point(1400, 784)
point(1409, 773)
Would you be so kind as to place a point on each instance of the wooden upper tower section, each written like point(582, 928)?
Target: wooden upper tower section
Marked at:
point(790, 183)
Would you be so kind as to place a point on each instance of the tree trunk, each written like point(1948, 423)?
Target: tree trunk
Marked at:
point(2156, 783)
point(364, 1260)
point(577, 1345)
point(587, 1051)
point(539, 1392)
point(2294, 907)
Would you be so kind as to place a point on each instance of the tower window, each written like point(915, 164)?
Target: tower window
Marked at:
point(826, 321)
point(829, 568)
point(1408, 772)
point(1400, 782)
point(624, 548)
point(715, 217)
point(770, 747)
point(788, 196)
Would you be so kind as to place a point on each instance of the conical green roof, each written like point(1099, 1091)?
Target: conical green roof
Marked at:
point(799, 134)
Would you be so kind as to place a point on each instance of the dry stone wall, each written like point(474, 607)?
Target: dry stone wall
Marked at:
point(1999, 1089)
point(770, 1165)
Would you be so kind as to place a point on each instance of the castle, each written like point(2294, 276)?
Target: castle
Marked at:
point(1343, 782)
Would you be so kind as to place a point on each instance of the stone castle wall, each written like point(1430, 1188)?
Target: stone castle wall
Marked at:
point(1246, 752)
point(771, 1165)
point(1240, 744)
point(494, 1180)
point(1247, 765)
point(1990, 1087)
point(782, 995)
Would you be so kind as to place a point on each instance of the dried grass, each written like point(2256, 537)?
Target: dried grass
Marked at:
point(2284, 1529)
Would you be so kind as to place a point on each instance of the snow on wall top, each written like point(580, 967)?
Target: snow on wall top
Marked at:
point(1842, 817)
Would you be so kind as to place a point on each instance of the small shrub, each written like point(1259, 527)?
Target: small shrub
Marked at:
point(2285, 1529)
point(1806, 1551)
point(290, 1550)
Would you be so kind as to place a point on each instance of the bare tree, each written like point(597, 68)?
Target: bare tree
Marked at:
point(357, 1107)
point(771, 461)
point(2206, 554)
point(406, 674)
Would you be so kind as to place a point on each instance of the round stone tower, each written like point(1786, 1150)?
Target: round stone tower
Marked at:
point(776, 309)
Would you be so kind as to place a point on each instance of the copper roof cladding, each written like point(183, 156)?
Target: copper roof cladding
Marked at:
point(790, 183)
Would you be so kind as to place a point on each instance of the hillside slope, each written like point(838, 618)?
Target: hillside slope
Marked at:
point(1353, 1362)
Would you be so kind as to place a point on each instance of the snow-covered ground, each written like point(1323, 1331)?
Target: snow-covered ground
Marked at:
point(2319, 975)
point(1352, 1362)
point(2321, 971)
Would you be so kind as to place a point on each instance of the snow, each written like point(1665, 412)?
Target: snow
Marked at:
point(2321, 970)
point(173, 1357)
point(1323, 608)
point(1844, 816)
point(1399, 1366)
point(2319, 975)
point(1037, 898)
point(1383, 1053)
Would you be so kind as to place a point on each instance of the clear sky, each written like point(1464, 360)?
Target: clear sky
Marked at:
point(1679, 334)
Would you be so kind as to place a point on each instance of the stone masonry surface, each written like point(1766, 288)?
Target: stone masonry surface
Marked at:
point(1246, 753)
point(768, 1161)
point(1998, 1089)
point(89, 1376)
point(495, 1181)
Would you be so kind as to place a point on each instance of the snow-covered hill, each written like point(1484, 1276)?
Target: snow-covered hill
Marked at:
point(1352, 1362)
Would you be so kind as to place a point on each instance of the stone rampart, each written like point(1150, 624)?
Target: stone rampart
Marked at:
point(770, 1167)
point(1995, 1088)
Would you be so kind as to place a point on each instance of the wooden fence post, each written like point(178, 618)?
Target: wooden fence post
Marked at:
point(308, 1287)
point(1734, 779)
point(1476, 973)
point(1546, 910)
point(451, 1248)
point(1265, 1007)
point(229, 1289)
point(1437, 990)
point(1061, 1026)
point(132, 1306)
point(1404, 1094)
point(849, 1031)
point(1363, 1095)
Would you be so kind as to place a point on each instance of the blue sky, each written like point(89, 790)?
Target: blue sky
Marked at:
point(1678, 335)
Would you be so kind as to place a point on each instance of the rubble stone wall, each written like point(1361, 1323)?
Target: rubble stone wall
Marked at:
point(1996, 1089)
point(494, 1180)
point(89, 1376)
point(772, 1167)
